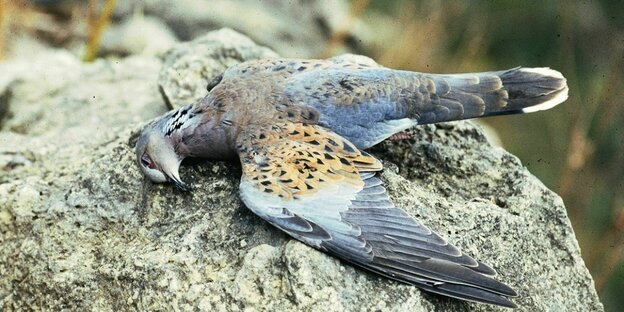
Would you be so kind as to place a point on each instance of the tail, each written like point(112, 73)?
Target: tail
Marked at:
point(513, 91)
point(531, 90)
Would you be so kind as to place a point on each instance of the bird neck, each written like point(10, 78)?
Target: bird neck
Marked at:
point(208, 139)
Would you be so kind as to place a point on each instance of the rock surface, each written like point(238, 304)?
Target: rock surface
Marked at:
point(297, 28)
point(189, 66)
point(129, 37)
point(81, 229)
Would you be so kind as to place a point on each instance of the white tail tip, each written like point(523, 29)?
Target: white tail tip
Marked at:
point(561, 96)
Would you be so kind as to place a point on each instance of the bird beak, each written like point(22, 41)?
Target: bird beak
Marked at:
point(179, 184)
point(174, 177)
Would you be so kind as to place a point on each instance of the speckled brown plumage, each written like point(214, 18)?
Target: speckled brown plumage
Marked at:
point(292, 160)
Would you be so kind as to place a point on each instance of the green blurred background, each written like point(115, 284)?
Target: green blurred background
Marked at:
point(576, 149)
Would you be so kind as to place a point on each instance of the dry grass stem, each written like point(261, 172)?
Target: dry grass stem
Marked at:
point(97, 26)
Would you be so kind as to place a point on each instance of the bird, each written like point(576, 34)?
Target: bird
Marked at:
point(300, 129)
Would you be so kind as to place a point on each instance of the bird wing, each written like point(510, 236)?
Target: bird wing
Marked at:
point(366, 103)
point(322, 190)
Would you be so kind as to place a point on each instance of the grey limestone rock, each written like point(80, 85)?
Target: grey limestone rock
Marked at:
point(297, 28)
point(81, 229)
point(138, 34)
point(189, 67)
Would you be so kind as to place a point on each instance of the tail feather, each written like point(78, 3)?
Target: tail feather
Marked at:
point(534, 89)
point(513, 91)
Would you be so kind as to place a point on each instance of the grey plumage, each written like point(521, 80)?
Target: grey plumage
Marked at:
point(299, 127)
point(400, 99)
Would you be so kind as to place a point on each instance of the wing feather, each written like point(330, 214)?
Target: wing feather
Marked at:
point(348, 212)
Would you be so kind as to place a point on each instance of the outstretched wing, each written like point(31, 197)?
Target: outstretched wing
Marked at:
point(320, 189)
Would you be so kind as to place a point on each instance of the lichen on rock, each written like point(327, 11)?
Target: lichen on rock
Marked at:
point(82, 229)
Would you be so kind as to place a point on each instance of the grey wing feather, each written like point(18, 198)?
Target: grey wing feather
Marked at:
point(413, 254)
point(386, 240)
point(297, 226)
point(405, 250)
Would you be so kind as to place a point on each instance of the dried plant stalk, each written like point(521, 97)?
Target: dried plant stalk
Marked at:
point(97, 26)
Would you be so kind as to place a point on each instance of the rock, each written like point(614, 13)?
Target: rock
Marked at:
point(55, 94)
point(82, 229)
point(129, 37)
point(293, 28)
point(301, 28)
point(189, 67)
point(58, 106)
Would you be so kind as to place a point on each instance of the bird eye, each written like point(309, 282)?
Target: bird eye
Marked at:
point(147, 161)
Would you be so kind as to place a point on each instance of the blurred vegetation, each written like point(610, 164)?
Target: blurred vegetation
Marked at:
point(576, 149)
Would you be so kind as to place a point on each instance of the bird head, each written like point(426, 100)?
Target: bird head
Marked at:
point(157, 157)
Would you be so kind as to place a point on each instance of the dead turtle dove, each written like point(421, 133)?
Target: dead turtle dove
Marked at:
point(299, 128)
